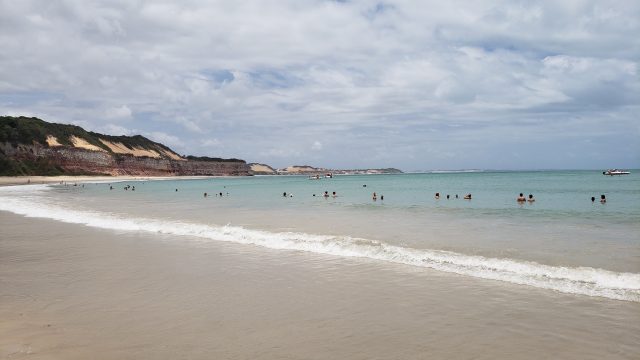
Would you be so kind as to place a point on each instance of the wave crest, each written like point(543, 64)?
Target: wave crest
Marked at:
point(575, 280)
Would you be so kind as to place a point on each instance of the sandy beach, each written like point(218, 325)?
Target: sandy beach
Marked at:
point(26, 180)
point(73, 292)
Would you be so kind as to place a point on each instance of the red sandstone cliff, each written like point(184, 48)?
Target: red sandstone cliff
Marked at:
point(75, 160)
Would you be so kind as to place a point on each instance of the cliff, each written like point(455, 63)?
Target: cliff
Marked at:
point(30, 146)
point(262, 169)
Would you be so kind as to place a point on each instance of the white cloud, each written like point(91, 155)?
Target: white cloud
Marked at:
point(165, 139)
point(211, 143)
point(270, 77)
point(118, 113)
point(112, 129)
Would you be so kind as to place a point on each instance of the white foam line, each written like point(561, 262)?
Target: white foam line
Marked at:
point(574, 280)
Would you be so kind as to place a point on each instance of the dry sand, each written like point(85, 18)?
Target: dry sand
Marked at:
point(25, 180)
point(261, 168)
point(52, 141)
point(120, 148)
point(83, 144)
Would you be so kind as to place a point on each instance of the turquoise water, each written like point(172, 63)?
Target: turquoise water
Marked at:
point(563, 241)
point(558, 194)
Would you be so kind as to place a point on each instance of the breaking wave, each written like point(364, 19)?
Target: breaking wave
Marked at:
point(574, 280)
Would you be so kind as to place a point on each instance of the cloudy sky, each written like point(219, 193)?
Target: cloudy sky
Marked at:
point(345, 84)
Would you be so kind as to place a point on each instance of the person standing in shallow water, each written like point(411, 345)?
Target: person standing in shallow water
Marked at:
point(531, 198)
point(593, 199)
point(375, 197)
point(521, 198)
point(603, 199)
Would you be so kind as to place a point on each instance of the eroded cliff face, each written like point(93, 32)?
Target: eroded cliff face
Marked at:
point(76, 160)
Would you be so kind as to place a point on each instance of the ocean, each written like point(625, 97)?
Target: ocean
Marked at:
point(563, 242)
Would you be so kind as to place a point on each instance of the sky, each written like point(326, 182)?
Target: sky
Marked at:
point(415, 85)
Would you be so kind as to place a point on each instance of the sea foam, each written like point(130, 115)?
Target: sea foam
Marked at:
point(574, 280)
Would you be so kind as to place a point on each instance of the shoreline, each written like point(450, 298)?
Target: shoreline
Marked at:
point(236, 301)
point(39, 180)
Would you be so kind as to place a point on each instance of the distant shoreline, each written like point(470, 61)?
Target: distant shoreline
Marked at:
point(39, 180)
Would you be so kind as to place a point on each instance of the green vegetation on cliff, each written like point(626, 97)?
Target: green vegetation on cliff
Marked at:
point(206, 158)
point(24, 150)
point(11, 167)
point(26, 130)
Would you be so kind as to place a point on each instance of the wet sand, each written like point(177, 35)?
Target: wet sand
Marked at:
point(73, 292)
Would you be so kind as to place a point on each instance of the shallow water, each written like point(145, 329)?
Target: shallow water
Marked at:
point(561, 242)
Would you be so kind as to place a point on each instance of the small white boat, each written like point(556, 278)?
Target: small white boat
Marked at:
point(612, 172)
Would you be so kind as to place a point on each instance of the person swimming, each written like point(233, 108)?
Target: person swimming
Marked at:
point(375, 197)
point(603, 199)
point(447, 196)
point(437, 195)
point(326, 194)
point(467, 197)
point(334, 194)
point(593, 199)
point(521, 198)
point(284, 194)
point(531, 199)
point(381, 197)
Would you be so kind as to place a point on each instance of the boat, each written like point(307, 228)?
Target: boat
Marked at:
point(612, 172)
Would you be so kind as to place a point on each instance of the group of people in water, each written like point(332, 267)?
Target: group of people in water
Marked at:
point(326, 195)
point(521, 199)
point(126, 188)
point(466, 197)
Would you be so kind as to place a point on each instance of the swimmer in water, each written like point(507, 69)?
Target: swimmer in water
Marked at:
point(521, 198)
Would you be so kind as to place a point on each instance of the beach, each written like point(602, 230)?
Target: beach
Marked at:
point(27, 180)
point(72, 292)
point(101, 271)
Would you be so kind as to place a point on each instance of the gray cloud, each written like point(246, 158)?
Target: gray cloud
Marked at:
point(413, 84)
